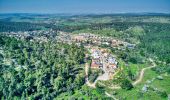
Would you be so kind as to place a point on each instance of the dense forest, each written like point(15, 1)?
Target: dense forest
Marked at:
point(6, 26)
point(39, 71)
point(157, 41)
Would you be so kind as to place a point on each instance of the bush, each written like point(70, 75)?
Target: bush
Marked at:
point(1, 57)
point(94, 74)
point(72, 98)
point(162, 69)
point(126, 84)
point(163, 94)
point(93, 77)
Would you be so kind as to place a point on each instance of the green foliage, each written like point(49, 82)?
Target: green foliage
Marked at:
point(40, 71)
point(51, 70)
point(18, 26)
point(156, 41)
point(162, 69)
point(131, 75)
point(136, 31)
point(1, 57)
point(126, 84)
point(93, 74)
point(163, 94)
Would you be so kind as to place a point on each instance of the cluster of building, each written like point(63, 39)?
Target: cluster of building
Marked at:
point(103, 59)
point(95, 39)
point(37, 35)
point(91, 39)
point(97, 61)
point(63, 37)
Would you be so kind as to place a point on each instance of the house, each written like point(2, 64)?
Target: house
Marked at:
point(103, 50)
point(111, 60)
point(95, 54)
point(78, 38)
point(96, 63)
point(113, 66)
point(105, 54)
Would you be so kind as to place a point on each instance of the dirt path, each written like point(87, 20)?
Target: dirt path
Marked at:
point(86, 69)
point(112, 96)
point(142, 73)
point(139, 79)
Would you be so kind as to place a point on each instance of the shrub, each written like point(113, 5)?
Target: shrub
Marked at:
point(126, 84)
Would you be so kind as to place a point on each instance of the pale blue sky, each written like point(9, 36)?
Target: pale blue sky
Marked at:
point(84, 6)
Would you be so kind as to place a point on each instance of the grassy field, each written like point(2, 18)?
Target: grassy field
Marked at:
point(137, 94)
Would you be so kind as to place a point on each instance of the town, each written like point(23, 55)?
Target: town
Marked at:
point(101, 58)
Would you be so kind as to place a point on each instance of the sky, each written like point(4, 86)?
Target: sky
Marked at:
point(84, 6)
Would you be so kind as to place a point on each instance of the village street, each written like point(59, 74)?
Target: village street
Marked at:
point(105, 76)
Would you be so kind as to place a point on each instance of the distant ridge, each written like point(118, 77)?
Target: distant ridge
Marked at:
point(84, 14)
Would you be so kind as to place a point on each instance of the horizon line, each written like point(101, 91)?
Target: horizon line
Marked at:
point(86, 13)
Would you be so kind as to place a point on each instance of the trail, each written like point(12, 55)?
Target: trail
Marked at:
point(138, 80)
point(142, 73)
point(112, 96)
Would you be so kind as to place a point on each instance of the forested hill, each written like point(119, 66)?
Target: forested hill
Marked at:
point(18, 26)
point(39, 71)
point(157, 41)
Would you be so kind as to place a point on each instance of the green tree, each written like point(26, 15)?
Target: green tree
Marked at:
point(126, 84)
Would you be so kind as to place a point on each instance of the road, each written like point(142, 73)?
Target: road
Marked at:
point(103, 77)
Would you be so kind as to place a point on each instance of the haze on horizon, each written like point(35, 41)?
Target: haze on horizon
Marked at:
point(84, 6)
